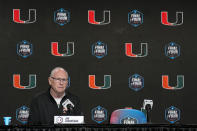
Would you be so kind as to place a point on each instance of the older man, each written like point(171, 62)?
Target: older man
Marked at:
point(55, 101)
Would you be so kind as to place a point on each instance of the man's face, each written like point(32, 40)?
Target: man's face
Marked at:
point(59, 81)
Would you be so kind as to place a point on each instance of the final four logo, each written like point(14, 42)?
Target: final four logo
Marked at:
point(128, 120)
point(99, 114)
point(172, 114)
point(136, 82)
point(24, 49)
point(17, 19)
point(17, 82)
point(135, 18)
point(22, 114)
point(172, 50)
point(61, 17)
point(99, 49)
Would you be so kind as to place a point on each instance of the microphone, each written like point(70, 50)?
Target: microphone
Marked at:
point(70, 108)
point(147, 107)
point(68, 105)
point(147, 104)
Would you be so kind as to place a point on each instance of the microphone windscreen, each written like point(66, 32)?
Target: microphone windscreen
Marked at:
point(69, 106)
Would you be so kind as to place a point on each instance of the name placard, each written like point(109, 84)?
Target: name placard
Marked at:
point(68, 119)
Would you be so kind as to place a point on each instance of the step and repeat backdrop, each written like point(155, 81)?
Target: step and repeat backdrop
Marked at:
point(116, 53)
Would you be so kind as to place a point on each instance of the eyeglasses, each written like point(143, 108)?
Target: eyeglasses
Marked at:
point(59, 80)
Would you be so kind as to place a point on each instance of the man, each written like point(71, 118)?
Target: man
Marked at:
point(56, 101)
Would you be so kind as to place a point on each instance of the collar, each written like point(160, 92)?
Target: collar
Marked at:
point(59, 97)
point(66, 94)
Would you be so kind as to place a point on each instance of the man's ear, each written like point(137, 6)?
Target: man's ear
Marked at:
point(49, 80)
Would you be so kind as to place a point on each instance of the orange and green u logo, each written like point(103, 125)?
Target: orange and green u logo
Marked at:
point(107, 82)
point(17, 82)
point(129, 50)
point(165, 82)
point(164, 19)
point(91, 18)
point(17, 19)
point(55, 50)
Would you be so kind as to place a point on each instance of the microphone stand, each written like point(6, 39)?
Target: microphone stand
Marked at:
point(148, 109)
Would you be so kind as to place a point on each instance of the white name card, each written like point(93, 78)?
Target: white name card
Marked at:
point(68, 119)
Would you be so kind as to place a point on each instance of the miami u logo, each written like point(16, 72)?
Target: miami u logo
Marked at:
point(17, 19)
point(17, 82)
point(55, 50)
point(107, 82)
point(165, 82)
point(91, 18)
point(164, 19)
point(129, 51)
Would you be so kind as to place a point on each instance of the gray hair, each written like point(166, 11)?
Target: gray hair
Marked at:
point(57, 69)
